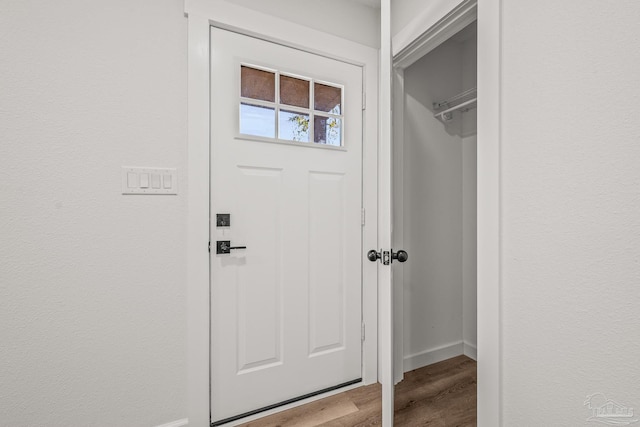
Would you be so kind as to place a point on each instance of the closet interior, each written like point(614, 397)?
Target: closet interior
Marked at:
point(435, 204)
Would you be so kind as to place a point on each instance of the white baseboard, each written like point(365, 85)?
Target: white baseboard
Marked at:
point(471, 351)
point(177, 423)
point(434, 355)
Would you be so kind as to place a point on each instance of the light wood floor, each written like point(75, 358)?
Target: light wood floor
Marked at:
point(442, 394)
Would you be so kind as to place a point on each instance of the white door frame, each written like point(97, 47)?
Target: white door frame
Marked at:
point(202, 14)
point(442, 19)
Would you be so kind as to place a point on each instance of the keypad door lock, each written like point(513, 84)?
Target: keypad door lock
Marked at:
point(224, 247)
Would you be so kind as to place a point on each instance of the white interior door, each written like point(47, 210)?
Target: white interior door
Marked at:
point(286, 165)
point(385, 220)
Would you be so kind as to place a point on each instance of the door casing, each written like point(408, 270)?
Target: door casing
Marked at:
point(203, 14)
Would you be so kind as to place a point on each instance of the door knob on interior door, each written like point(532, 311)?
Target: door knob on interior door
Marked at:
point(401, 255)
point(387, 256)
point(373, 255)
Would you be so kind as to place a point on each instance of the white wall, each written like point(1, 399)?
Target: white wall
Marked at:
point(432, 210)
point(347, 19)
point(570, 208)
point(411, 18)
point(92, 283)
point(439, 208)
point(403, 12)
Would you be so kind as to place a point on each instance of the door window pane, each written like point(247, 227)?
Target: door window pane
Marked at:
point(327, 98)
point(257, 120)
point(257, 84)
point(293, 126)
point(294, 91)
point(275, 105)
point(327, 130)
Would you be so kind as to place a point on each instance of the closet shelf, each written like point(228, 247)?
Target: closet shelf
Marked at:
point(463, 102)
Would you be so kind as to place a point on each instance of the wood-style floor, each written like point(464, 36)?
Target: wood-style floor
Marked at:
point(442, 394)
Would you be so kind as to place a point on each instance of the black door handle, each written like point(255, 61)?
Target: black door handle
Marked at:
point(224, 247)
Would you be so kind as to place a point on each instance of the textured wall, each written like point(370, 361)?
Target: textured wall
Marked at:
point(403, 12)
point(92, 283)
point(570, 208)
point(347, 19)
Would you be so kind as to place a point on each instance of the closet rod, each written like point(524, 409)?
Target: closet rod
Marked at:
point(448, 102)
point(460, 106)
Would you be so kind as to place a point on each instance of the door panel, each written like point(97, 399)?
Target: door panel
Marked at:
point(326, 262)
point(286, 311)
point(259, 297)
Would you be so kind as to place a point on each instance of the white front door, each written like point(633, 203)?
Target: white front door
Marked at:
point(286, 165)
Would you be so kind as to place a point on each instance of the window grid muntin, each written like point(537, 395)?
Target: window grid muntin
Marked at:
point(312, 112)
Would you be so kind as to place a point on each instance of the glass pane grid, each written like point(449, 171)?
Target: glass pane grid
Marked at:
point(305, 111)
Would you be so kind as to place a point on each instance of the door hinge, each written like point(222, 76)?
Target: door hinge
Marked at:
point(363, 332)
point(364, 100)
point(209, 246)
point(363, 216)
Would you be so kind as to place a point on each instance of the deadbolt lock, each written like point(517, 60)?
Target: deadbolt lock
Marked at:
point(223, 220)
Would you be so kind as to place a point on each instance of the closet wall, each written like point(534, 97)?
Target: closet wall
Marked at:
point(439, 207)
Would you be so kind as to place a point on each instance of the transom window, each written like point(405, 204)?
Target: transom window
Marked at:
point(283, 106)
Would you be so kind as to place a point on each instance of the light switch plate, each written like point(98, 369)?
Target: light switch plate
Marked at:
point(136, 180)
